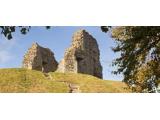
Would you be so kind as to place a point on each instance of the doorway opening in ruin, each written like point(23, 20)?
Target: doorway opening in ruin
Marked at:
point(44, 65)
point(80, 66)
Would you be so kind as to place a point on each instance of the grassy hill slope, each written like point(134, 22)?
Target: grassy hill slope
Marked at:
point(23, 80)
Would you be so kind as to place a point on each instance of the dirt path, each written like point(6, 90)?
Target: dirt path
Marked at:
point(74, 88)
point(48, 76)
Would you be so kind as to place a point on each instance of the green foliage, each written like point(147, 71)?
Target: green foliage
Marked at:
point(139, 47)
point(105, 28)
point(7, 31)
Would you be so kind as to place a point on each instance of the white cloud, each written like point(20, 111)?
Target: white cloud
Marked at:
point(5, 56)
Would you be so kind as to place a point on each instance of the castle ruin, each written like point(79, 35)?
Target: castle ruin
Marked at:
point(83, 56)
point(39, 58)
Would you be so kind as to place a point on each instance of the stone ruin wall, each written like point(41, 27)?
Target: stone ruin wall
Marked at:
point(39, 58)
point(83, 56)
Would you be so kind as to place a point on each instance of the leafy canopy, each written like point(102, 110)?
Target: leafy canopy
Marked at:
point(139, 48)
point(8, 30)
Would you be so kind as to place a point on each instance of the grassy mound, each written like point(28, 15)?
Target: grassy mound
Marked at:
point(90, 83)
point(22, 80)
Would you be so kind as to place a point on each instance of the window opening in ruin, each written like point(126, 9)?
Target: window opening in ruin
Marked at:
point(79, 59)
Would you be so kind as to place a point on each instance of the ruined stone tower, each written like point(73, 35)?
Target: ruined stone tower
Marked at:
point(39, 58)
point(82, 56)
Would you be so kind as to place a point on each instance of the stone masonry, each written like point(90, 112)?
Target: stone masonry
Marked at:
point(82, 56)
point(39, 58)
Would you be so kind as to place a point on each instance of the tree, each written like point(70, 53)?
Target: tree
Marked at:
point(139, 48)
point(8, 30)
point(105, 28)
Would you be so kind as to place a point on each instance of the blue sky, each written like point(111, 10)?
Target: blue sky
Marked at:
point(57, 39)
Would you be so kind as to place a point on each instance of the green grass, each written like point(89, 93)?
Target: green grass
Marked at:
point(18, 80)
point(90, 83)
point(22, 80)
